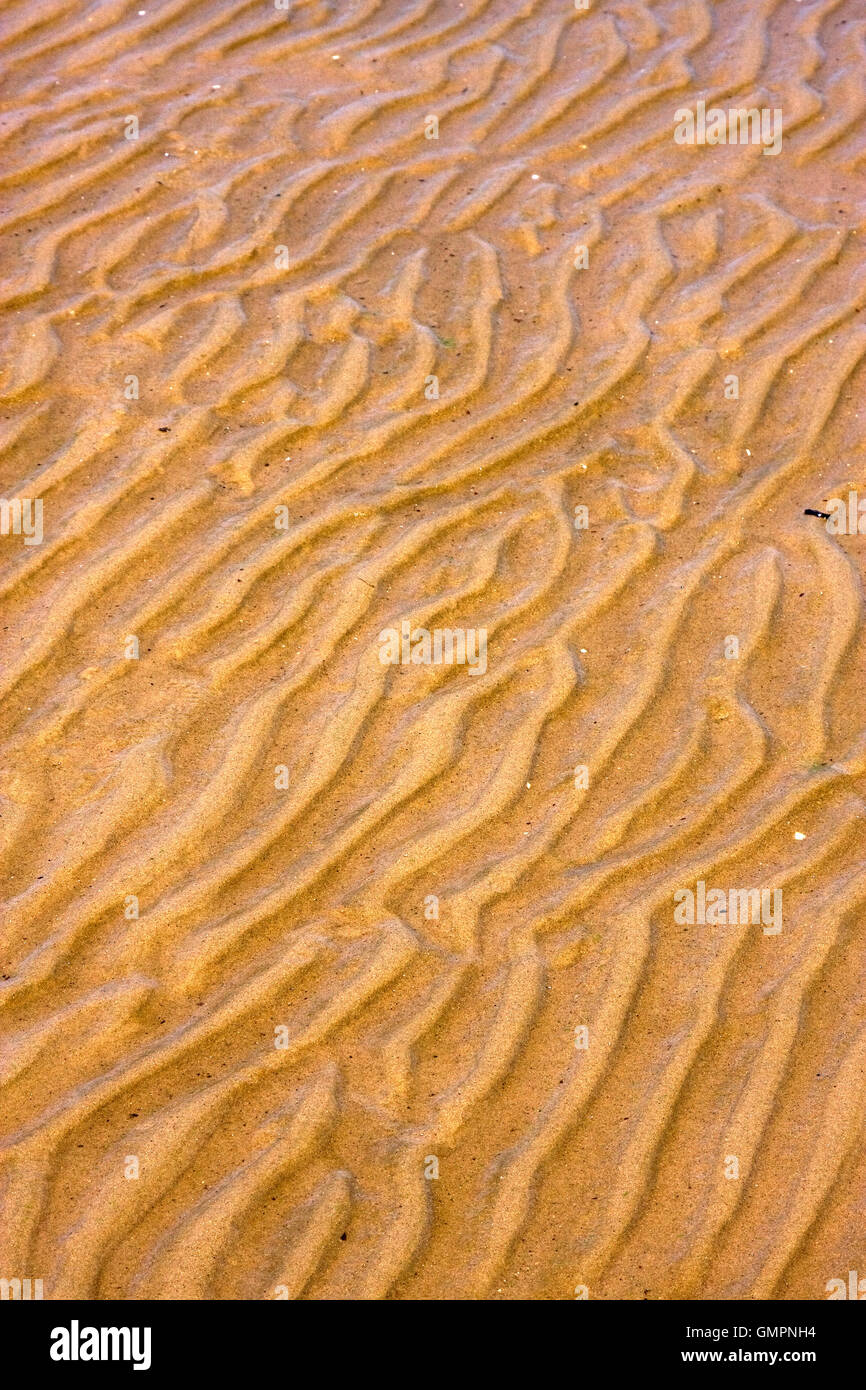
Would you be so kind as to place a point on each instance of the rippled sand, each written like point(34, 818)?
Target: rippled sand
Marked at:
point(375, 902)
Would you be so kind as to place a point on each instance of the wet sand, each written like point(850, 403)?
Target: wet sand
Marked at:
point(296, 944)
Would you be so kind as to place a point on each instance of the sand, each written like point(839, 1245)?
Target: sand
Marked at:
point(332, 976)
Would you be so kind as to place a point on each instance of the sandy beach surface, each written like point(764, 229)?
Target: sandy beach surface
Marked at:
point(336, 339)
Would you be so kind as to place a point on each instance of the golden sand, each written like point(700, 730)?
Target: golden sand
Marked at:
point(325, 976)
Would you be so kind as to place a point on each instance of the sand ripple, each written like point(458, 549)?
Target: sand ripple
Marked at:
point(244, 310)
